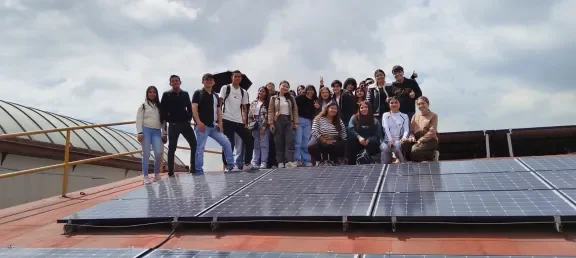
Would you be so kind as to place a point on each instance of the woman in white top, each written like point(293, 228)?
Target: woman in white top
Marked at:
point(283, 123)
point(151, 131)
point(396, 129)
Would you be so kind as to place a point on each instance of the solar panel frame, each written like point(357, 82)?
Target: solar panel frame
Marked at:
point(71, 252)
point(175, 253)
point(313, 207)
point(463, 182)
point(560, 179)
point(474, 206)
point(305, 173)
point(457, 167)
point(544, 163)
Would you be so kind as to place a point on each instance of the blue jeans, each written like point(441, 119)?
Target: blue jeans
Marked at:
point(219, 137)
point(386, 154)
point(301, 153)
point(261, 147)
point(151, 137)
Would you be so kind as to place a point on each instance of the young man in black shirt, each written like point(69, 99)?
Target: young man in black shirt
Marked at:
point(176, 109)
point(208, 117)
point(406, 90)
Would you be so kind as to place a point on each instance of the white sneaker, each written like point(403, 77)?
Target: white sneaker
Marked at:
point(255, 166)
point(247, 167)
point(308, 164)
point(157, 177)
point(146, 180)
point(291, 164)
point(264, 165)
point(281, 165)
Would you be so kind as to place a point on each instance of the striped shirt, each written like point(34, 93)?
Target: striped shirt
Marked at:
point(321, 127)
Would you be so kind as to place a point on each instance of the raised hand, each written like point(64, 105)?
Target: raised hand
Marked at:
point(321, 80)
point(316, 105)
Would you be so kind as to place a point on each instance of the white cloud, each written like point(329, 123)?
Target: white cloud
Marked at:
point(483, 66)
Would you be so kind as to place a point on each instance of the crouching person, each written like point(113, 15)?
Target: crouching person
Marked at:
point(328, 142)
point(396, 130)
point(364, 133)
point(423, 141)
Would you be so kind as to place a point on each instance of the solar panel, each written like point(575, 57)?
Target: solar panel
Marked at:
point(304, 173)
point(228, 254)
point(270, 206)
point(456, 167)
point(486, 203)
point(560, 179)
point(69, 252)
point(144, 208)
point(272, 186)
point(463, 182)
point(208, 185)
point(550, 162)
point(570, 193)
point(453, 256)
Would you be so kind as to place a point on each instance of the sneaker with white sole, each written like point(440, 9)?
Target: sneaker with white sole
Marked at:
point(308, 164)
point(291, 164)
point(146, 180)
point(263, 165)
point(157, 177)
point(247, 167)
point(281, 165)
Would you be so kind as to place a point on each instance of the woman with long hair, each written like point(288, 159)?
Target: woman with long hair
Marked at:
point(396, 129)
point(364, 133)
point(307, 103)
point(423, 140)
point(151, 131)
point(324, 97)
point(328, 141)
point(360, 95)
point(258, 124)
point(283, 122)
point(379, 94)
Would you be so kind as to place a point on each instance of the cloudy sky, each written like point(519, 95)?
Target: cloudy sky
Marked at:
point(484, 64)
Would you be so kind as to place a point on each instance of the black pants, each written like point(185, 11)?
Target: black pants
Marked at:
point(231, 128)
point(174, 131)
point(272, 153)
point(354, 147)
point(323, 151)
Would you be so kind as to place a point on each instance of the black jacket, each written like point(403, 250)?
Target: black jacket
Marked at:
point(176, 107)
point(402, 92)
point(347, 106)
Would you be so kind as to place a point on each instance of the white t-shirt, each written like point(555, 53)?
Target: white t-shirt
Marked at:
point(231, 108)
point(215, 106)
point(284, 106)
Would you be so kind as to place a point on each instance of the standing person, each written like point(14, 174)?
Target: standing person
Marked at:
point(396, 129)
point(151, 131)
point(176, 109)
point(258, 125)
point(307, 103)
point(328, 141)
point(272, 163)
point(407, 91)
point(345, 101)
point(283, 121)
point(324, 97)
point(300, 90)
point(234, 115)
point(350, 85)
point(423, 140)
point(379, 94)
point(364, 134)
point(208, 118)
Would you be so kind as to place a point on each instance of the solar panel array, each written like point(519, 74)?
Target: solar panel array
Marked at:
point(305, 192)
point(70, 252)
point(468, 190)
point(474, 188)
point(185, 195)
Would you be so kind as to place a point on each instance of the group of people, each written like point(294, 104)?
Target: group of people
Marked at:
point(346, 123)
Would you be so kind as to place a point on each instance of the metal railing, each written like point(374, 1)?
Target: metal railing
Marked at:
point(67, 163)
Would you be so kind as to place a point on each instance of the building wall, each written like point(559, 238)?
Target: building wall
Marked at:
point(36, 186)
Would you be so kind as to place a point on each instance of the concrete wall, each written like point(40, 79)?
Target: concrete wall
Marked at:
point(32, 187)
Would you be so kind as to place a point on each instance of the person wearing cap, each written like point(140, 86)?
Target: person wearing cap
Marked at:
point(406, 90)
point(207, 115)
